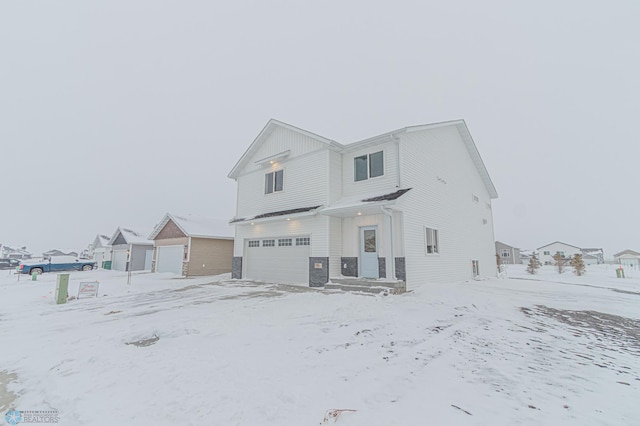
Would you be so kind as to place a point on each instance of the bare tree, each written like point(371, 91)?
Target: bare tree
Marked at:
point(560, 262)
point(578, 264)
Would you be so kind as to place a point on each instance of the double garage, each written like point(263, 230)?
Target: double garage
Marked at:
point(284, 259)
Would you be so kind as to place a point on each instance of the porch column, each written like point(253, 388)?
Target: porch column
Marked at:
point(388, 237)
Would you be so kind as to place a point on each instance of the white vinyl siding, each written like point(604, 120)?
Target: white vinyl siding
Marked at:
point(436, 164)
point(386, 182)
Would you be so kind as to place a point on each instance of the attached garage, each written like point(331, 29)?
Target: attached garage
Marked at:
point(119, 260)
point(192, 245)
point(278, 259)
point(169, 259)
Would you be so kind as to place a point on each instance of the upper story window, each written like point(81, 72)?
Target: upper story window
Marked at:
point(368, 166)
point(505, 253)
point(273, 182)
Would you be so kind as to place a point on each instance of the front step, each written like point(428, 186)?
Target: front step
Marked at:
point(367, 286)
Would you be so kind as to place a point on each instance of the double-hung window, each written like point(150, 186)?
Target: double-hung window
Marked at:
point(368, 166)
point(273, 182)
point(431, 241)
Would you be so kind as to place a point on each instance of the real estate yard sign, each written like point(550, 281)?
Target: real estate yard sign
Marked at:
point(88, 289)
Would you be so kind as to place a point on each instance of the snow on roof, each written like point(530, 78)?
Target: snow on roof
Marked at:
point(104, 239)
point(196, 226)
point(130, 236)
point(201, 226)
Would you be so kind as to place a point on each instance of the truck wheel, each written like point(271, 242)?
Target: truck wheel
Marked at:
point(37, 271)
point(87, 268)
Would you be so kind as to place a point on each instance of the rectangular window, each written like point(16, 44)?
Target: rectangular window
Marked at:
point(546, 253)
point(284, 242)
point(475, 266)
point(273, 182)
point(254, 243)
point(360, 165)
point(431, 238)
point(376, 164)
point(303, 241)
point(368, 166)
point(268, 243)
point(505, 253)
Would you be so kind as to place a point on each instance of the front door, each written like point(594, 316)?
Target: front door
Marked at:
point(369, 252)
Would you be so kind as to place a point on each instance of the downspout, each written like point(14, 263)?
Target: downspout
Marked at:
point(396, 139)
point(392, 266)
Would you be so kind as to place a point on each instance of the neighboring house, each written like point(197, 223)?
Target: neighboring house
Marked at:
point(7, 252)
point(413, 205)
point(526, 255)
point(192, 245)
point(60, 252)
point(628, 258)
point(590, 256)
point(508, 254)
point(100, 251)
point(130, 250)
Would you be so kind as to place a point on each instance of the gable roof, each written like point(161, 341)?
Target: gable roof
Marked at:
point(130, 236)
point(101, 240)
point(507, 245)
point(264, 135)
point(460, 125)
point(630, 252)
point(196, 226)
point(558, 242)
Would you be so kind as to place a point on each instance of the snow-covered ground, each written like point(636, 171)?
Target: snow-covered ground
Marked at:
point(533, 350)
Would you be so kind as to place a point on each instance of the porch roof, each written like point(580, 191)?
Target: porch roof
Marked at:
point(359, 205)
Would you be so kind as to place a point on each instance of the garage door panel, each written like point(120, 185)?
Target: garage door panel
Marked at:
point(288, 264)
point(119, 260)
point(169, 259)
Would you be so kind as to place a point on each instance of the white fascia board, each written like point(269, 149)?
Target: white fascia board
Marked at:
point(276, 218)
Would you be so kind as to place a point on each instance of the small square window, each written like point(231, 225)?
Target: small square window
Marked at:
point(303, 241)
point(254, 243)
point(368, 166)
point(284, 242)
point(268, 243)
point(475, 198)
point(274, 182)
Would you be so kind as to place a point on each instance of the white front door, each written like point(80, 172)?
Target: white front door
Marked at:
point(369, 252)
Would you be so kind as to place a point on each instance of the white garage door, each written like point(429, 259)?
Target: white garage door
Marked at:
point(119, 262)
point(283, 260)
point(169, 259)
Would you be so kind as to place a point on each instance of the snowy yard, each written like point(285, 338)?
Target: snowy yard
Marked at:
point(545, 349)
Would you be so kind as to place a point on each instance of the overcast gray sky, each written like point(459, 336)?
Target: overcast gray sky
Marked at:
point(115, 112)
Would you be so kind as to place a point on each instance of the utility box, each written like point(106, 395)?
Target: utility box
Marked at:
point(620, 273)
point(62, 288)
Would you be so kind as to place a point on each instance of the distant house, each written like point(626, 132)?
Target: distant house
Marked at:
point(593, 256)
point(192, 245)
point(412, 205)
point(547, 252)
point(130, 250)
point(60, 252)
point(590, 256)
point(628, 258)
point(508, 255)
point(100, 250)
point(7, 252)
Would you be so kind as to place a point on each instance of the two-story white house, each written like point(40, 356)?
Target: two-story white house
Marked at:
point(547, 252)
point(411, 205)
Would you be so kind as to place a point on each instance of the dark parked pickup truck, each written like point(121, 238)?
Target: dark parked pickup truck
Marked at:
point(56, 264)
point(9, 263)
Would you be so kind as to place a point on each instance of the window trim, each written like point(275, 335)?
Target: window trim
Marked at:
point(273, 181)
point(367, 164)
point(435, 238)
